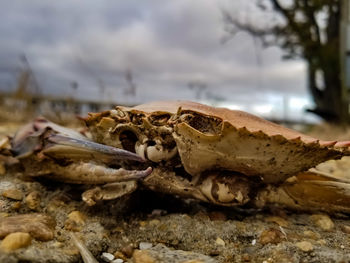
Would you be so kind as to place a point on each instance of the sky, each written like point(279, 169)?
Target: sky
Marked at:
point(130, 52)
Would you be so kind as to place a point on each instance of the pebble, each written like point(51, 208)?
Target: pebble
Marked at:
point(16, 205)
point(220, 242)
point(108, 257)
point(33, 200)
point(120, 255)
point(118, 260)
point(323, 221)
point(346, 229)
point(40, 226)
point(142, 256)
point(271, 235)
point(75, 221)
point(311, 234)
point(305, 246)
point(128, 250)
point(15, 241)
point(322, 242)
point(145, 245)
point(14, 194)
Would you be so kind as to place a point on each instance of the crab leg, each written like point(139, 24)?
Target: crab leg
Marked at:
point(311, 190)
point(91, 173)
point(108, 192)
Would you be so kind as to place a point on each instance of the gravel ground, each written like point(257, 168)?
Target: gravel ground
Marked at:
point(169, 229)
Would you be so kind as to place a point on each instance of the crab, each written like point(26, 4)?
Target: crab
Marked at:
point(191, 150)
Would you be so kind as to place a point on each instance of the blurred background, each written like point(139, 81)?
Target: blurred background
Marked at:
point(283, 60)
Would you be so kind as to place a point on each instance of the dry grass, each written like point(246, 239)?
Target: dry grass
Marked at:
point(327, 131)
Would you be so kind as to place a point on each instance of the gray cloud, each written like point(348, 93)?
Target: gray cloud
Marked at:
point(165, 44)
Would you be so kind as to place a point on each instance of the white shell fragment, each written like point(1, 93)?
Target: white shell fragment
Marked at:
point(108, 257)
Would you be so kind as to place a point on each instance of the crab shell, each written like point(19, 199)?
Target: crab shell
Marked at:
point(206, 139)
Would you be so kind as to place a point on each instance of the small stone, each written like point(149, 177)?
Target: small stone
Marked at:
point(253, 242)
point(75, 221)
point(108, 257)
point(15, 241)
point(311, 234)
point(128, 250)
point(14, 194)
point(322, 242)
point(272, 236)
point(323, 221)
point(145, 245)
point(346, 229)
point(16, 205)
point(220, 242)
point(33, 200)
point(278, 220)
point(120, 255)
point(118, 260)
point(77, 217)
point(217, 216)
point(39, 226)
point(305, 246)
point(142, 256)
point(58, 244)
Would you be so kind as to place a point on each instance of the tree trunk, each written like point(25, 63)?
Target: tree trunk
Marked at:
point(329, 99)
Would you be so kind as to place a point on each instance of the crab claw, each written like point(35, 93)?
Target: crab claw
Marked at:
point(64, 146)
point(58, 142)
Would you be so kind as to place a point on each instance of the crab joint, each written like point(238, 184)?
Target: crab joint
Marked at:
point(226, 190)
point(155, 153)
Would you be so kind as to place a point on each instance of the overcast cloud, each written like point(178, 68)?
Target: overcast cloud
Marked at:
point(166, 45)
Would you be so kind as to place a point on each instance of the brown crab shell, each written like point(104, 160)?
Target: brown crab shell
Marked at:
point(209, 138)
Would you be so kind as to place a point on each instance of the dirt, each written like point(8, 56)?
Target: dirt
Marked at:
point(168, 229)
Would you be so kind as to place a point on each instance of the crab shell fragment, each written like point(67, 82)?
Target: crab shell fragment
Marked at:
point(227, 153)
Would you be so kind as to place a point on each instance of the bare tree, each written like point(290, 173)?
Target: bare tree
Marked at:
point(131, 86)
point(309, 29)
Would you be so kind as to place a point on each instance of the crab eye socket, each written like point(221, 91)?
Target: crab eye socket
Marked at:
point(128, 140)
point(202, 123)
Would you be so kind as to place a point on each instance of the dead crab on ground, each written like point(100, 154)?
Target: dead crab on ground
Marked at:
point(216, 155)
